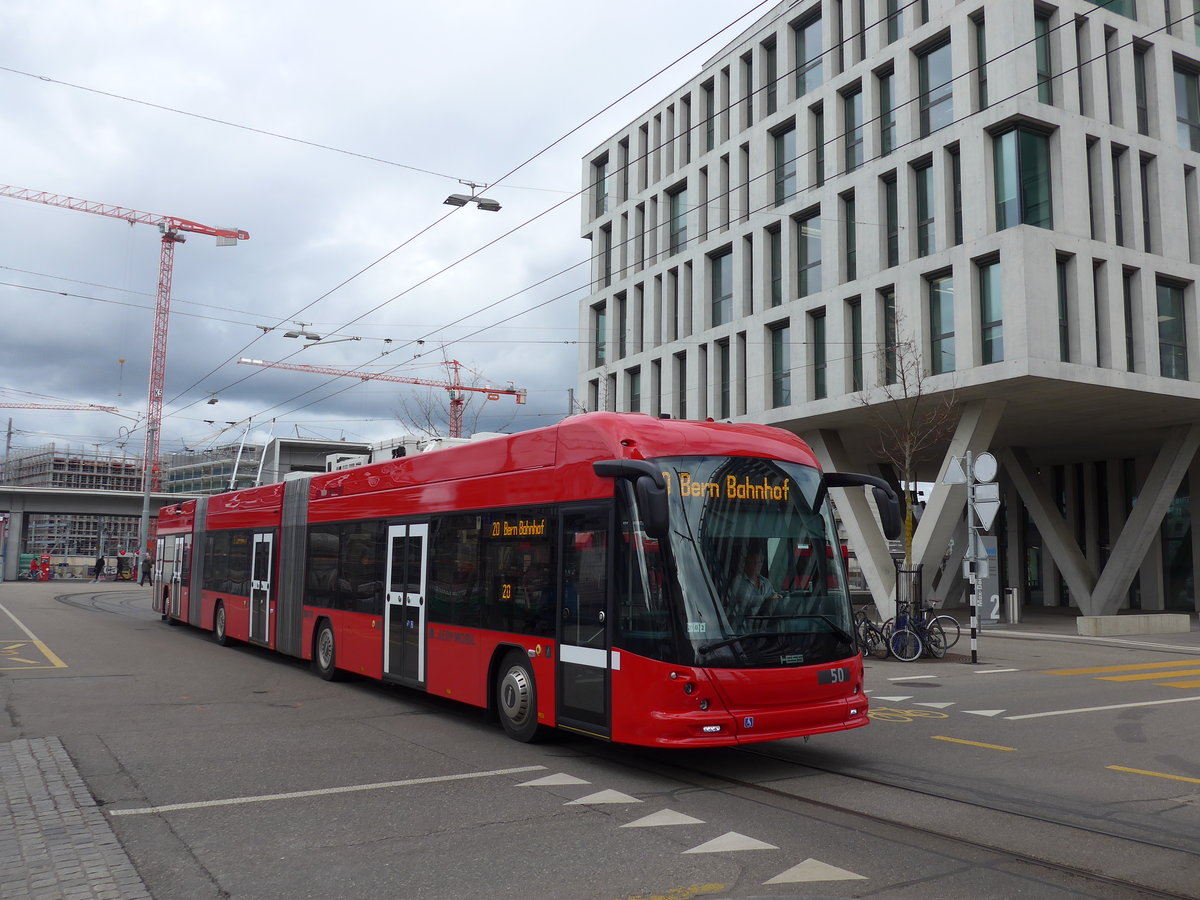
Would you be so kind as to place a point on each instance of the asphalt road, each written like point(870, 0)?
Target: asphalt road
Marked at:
point(232, 772)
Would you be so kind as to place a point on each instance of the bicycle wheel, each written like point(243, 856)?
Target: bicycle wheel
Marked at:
point(950, 628)
point(935, 639)
point(905, 644)
point(876, 643)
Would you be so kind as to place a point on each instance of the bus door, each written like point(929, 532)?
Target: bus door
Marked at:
point(584, 675)
point(178, 560)
point(260, 589)
point(156, 584)
point(404, 614)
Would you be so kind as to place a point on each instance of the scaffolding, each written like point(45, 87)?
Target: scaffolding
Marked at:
point(210, 471)
point(57, 467)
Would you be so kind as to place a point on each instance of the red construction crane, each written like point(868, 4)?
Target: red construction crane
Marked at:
point(79, 406)
point(454, 385)
point(172, 229)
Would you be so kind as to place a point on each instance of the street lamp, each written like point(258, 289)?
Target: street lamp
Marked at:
point(483, 203)
point(301, 333)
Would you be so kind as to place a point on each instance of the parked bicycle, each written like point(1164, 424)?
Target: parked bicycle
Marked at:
point(912, 635)
point(870, 636)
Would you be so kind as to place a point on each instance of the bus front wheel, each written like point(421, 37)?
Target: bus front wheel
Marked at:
point(325, 653)
point(516, 697)
point(220, 632)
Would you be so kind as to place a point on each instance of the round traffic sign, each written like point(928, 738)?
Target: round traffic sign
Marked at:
point(985, 467)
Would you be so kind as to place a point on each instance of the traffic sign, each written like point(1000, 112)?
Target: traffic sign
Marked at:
point(987, 503)
point(985, 467)
point(954, 472)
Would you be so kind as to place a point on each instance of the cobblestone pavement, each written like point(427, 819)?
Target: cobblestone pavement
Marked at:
point(55, 844)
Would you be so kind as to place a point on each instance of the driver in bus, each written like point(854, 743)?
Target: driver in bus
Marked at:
point(750, 590)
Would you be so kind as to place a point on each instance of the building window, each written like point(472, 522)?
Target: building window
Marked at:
point(808, 56)
point(781, 365)
point(819, 357)
point(1062, 269)
point(1131, 317)
point(679, 219)
point(1022, 172)
point(854, 315)
point(941, 325)
point(956, 193)
point(785, 165)
point(600, 184)
point(926, 233)
point(771, 73)
point(887, 298)
point(991, 313)
point(895, 27)
point(635, 390)
point(681, 410)
point(722, 287)
point(1140, 93)
point(1118, 186)
point(1187, 108)
point(891, 194)
point(1172, 332)
point(981, 80)
point(1127, 8)
point(850, 237)
point(1146, 174)
point(606, 256)
point(887, 114)
point(853, 112)
point(600, 335)
point(1045, 66)
point(724, 379)
point(808, 254)
point(622, 323)
point(937, 89)
point(818, 136)
point(775, 251)
point(710, 115)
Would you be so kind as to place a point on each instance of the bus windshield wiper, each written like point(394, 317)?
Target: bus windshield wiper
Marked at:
point(717, 645)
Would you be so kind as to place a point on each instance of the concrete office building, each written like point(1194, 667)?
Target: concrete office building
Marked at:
point(1009, 188)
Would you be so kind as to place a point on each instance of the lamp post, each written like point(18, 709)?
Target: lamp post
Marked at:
point(301, 333)
point(483, 203)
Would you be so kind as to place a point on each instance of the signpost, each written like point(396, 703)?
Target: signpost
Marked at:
point(983, 502)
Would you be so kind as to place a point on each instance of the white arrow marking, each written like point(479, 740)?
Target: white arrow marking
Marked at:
point(731, 841)
point(934, 705)
point(814, 870)
point(553, 781)
point(603, 797)
point(893, 699)
point(983, 712)
point(665, 817)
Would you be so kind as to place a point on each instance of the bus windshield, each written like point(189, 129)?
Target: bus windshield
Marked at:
point(758, 562)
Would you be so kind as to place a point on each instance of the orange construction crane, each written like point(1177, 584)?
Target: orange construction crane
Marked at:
point(172, 229)
point(79, 406)
point(454, 385)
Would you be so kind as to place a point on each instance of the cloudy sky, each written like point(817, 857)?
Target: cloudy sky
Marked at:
point(331, 133)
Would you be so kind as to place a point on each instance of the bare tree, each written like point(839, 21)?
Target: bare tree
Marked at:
point(427, 412)
point(911, 421)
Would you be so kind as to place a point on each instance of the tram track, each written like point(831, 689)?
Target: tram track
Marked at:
point(1174, 858)
point(108, 602)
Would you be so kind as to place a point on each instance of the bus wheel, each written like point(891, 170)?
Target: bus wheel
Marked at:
point(325, 653)
point(220, 634)
point(516, 697)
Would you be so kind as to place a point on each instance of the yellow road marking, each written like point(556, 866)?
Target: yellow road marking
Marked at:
point(1149, 676)
point(9, 654)
point(1179, 684)
point(1129, 668)
point(1154, 774)
point(938, 737)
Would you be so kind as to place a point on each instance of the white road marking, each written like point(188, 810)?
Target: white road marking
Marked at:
point(561, 778)
point(934, 705)
point(603, 797)
point(731, 841)
point(911, 677)
point(893, 699)
point(663, 817)
point(993, 671)
point(20, 624)
point(1067, 712)
point(320, 792)
point(814, 870)
point(983, 712)
point(1080, 637)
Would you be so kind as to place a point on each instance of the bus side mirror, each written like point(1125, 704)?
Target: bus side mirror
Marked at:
point(648, 486)
point(886, 499)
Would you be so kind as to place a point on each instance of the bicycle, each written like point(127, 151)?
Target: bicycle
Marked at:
point(869, 636)
point(910, 636)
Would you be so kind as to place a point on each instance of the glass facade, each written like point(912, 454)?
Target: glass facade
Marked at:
point(1172, 332)
point(991, 313)
point(808, 255)
point(937, 89)
point(785, 165)
point(941, 325)
point(722, 288)
point(781, 365)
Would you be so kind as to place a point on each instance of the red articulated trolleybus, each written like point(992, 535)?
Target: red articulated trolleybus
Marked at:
point(646, 581)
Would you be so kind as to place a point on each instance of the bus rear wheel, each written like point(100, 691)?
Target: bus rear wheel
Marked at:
point(516, 697)
point(325, 652)
point(220, 628)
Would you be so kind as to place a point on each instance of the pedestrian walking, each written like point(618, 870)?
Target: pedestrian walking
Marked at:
point(146, 566)
point(33, 569)
point(99, 567)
